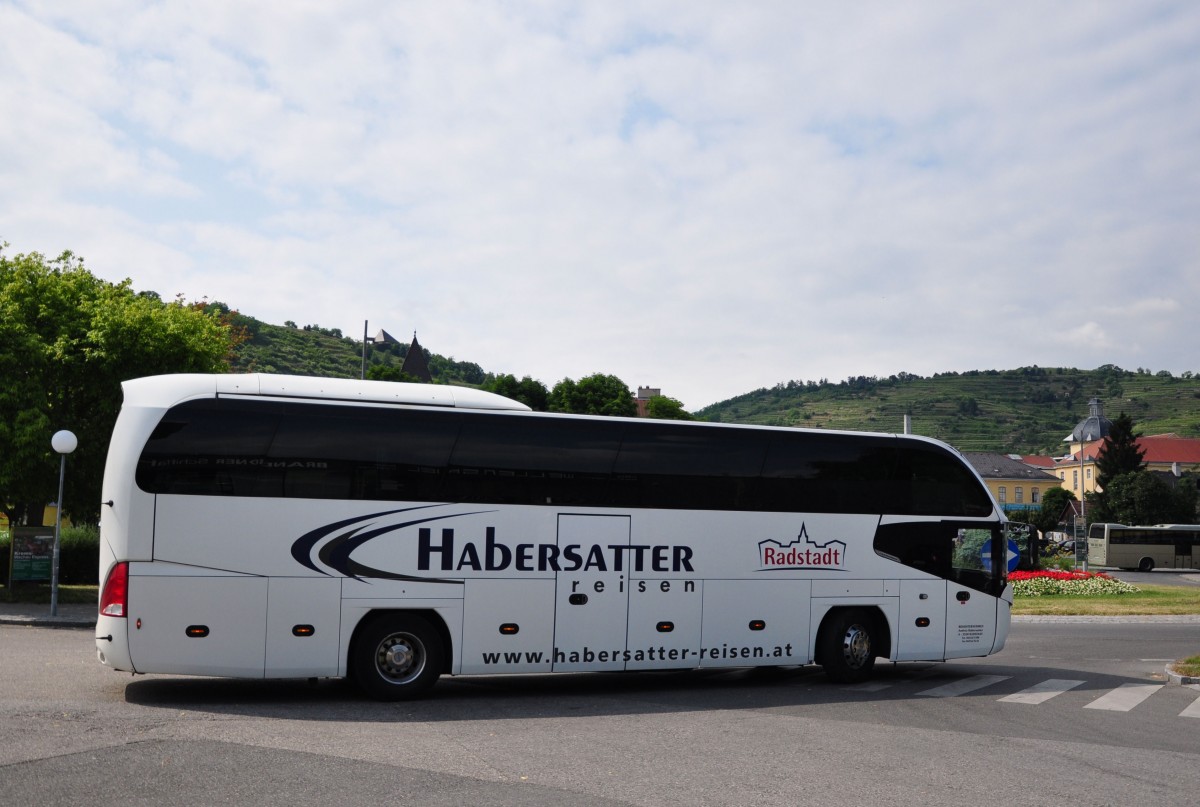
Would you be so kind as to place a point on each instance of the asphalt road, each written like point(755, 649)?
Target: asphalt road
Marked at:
point(981, 732)
point(1157, 577)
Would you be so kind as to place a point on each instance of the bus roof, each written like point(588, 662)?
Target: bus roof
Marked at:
point(168, 390)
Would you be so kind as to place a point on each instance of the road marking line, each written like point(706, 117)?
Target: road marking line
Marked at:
point(1193, 710)
point(870, 686)
point(1124, 697)
point(964, 686)
point(1040, 693)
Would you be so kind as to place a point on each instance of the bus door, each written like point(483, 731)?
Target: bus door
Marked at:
point(922, 627)
point(1186, 556)
point(591, 603)
point(970, 612)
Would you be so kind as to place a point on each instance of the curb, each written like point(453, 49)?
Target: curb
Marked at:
point(1179, 679)
point(47, 621)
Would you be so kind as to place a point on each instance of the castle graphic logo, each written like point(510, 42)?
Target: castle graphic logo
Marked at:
point(802, 553)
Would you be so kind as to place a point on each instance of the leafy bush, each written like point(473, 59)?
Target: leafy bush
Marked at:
point(79, 555)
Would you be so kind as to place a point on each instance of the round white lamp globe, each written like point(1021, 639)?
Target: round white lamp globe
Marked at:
point(64, 442)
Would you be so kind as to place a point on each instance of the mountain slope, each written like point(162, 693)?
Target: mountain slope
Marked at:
point(1026, 410)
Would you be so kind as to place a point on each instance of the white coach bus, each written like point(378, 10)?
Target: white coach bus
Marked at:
point(275, 526)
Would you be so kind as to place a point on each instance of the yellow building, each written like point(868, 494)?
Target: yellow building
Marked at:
point(1013, 483)
point(1166, 453)
point(1077, 470)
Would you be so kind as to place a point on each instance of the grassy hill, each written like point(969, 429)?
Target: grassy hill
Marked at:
point(1028, 410)
point(316, 351)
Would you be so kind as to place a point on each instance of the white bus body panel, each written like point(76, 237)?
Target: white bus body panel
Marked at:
point(710, 605)
point(1003, 618)
point(970, 622)
point(487, 605)
point(299, 603)
point(921, 600)
point(165, 600)
point(591, 606)
point(730, 608)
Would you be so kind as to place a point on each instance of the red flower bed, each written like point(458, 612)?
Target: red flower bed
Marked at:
point(1056, 575)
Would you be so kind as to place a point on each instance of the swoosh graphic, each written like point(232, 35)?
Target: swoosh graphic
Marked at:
point(336, 554)
point(302, 548)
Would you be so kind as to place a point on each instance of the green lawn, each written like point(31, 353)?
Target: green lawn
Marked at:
point(1150, 600)
point(39, 593)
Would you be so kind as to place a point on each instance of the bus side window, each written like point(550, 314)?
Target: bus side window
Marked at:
point(816, 473)
point(927, 546)
point(953, 551)
point(939, 484)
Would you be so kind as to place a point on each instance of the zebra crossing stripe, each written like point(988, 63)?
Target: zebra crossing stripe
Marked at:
point(1040, 693)
point(1124, 697)
point(1193, 710)
point(964, 686)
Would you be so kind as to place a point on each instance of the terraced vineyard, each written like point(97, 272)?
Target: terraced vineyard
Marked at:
point(1027, 410)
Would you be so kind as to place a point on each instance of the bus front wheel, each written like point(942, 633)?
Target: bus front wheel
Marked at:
point(395, 657)
point(848, 646)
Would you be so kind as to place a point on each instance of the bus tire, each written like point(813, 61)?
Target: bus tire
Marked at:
point(1146, 565)
point(395, 656)
point(847, 646)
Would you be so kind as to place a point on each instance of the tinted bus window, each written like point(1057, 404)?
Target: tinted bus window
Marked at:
point(961, 552)
point(935, 482)
point(343, 452)
point(699, 468)
point(817, 473)
point(519, 460)
point(234, 447)
point(212, 448)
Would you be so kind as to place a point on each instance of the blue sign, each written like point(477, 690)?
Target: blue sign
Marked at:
point(1014, 556)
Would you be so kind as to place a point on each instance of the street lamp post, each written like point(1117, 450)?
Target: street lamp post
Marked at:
point(1081, 534)
point(366, 340)
point(64, 442)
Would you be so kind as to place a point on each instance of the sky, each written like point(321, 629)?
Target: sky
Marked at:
point(703, 197)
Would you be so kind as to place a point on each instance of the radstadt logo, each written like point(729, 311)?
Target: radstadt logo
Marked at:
point(802, 553)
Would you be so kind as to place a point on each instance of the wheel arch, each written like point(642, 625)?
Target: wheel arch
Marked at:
point(429, 614)
point(882, 627)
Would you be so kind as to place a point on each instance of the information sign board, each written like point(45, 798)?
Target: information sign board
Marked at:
point(32, 554)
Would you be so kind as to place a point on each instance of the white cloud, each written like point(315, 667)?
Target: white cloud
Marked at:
point(697, 196)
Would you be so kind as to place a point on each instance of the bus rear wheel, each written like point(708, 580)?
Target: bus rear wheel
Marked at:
point(1146, 565)
point(847, 646)
point(396, 657)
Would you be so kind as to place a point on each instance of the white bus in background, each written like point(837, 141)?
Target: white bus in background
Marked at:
point(1165, 546)
point(274, 526)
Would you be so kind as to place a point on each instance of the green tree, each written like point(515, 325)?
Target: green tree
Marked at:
point(390, 372)
point(1054, 502)
point(596, 394)
point(1140, 497)
point(67, 341)
point(1120, 453)
point(661, 407)
point(528, 391)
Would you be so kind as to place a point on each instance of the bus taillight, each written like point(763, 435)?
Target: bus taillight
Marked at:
point(115, 595)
